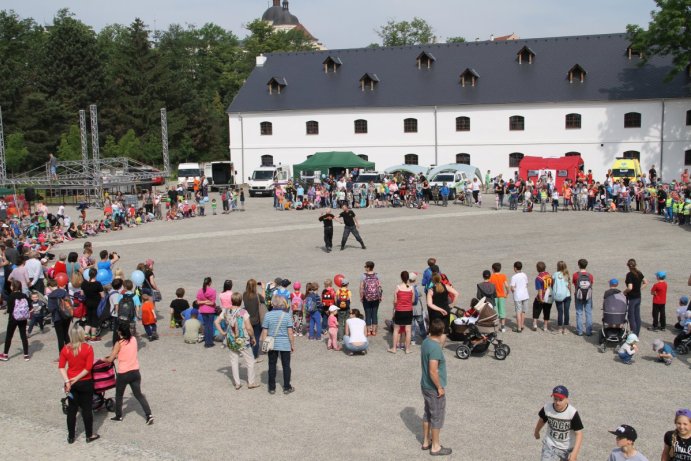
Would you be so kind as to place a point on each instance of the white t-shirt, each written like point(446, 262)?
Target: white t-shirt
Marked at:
point(628, 348)
point(356, 327)
point(519, 284)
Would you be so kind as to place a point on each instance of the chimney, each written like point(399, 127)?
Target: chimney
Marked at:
point(277, 2)
point(261, 59)
point(491, 37)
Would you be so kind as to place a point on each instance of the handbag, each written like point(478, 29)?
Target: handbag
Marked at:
point(268, 343)
point(157, 296)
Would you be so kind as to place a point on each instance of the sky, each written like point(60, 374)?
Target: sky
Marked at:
point(353, 23)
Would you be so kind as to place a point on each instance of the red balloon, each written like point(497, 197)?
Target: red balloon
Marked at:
point(338, 278)
point(62, 279)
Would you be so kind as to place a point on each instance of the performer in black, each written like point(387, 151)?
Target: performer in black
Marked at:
point(351, 226)
point(327, 218)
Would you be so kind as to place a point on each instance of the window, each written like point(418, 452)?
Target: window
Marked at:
point(576, 74)
point(364, 157)
point(516, 123)
point(687, 158)
point(410, 159)
point(469, 77)
point(572, 154)
point(331, 64)
point(573, 121)
point(425, 60)
point(632, 154)
point(410, 126)
point(462, 123)
point(368, 81)
point(463, 158)
point(276, 84)
point(266, 128)
point(631, 52)
point(515, 159)
point(312, 127)
point(267, 160)
point(688, 118)
point(525, 55)
point(632, 120)
point(360, 126)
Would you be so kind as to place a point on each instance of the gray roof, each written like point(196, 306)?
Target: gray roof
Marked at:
point(280, 16)
point(610, 75)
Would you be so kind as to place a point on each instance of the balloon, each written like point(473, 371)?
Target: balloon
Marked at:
point(104, 276)
point(338, 278)
point(137, 277)
point(62, 279)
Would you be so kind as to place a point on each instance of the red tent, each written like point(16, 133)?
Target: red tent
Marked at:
point(562, 168)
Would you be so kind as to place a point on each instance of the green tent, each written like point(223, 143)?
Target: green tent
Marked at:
point(322, 161)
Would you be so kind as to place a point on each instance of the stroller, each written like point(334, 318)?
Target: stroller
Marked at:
point(615, 328)
point(103, 374)
point(476, 329)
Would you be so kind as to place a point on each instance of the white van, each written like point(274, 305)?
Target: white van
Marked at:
point(365, 177)
point(187, 173)
point(264, 178)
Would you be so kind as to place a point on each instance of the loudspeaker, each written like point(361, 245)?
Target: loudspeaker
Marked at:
point(29, 194)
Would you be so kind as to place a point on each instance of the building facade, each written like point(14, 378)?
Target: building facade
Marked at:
point(483, 103)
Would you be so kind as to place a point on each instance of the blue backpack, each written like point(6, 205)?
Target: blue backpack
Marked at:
point(103, 304)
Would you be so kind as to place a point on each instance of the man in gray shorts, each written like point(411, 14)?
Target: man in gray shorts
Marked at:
point(433, 382)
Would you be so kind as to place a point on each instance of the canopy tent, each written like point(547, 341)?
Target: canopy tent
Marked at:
point(322, 161)
point(413, 169)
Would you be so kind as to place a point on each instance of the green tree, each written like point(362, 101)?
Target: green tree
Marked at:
point(456, 40)
point(15, 152)
point(415, 32)
point(669, 33)
point(70, 147)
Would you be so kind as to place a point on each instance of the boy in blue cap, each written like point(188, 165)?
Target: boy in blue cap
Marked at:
point(659, 292)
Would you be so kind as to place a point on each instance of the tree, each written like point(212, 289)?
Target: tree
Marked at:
point(415, 32)
point(70, 147)
point(456, 40)
point(15, 152)
point(669, 33)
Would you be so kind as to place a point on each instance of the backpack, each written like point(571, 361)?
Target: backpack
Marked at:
point(327, 298)
point(236, 342)
point(584, 287)
point(104, 304)
point(547, 296)
point(296, 301)
point(312, 303)
point(270, 290)
point(21, 309)
point(66, 308)
point(342, 298)
point(126, 308)
point(372, 287)
point(561, 289)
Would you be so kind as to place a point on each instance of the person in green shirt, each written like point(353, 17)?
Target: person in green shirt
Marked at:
point(433, 384)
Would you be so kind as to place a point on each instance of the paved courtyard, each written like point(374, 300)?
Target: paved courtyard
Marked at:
point(366, 407)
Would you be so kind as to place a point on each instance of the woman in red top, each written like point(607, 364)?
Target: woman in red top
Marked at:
point(79, 358)
point(403, 312)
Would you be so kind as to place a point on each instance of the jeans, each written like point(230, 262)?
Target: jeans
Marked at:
point(34, 320)
point(563, 311)
point(347, 345)
point(634, 315)
point(343, 315)
point(419, 328)
point(550, 453)
point(134, 379)
point(257, 333)
point(347, 230)
point(208, 321)
point(285, 364)
point(150, 330)
point(315, 329)
point(625, 357)
point(371, 309)
point(587, 306)
point(82, 394)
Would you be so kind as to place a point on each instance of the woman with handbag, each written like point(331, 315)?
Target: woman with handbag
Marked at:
point(206, 299)
point(239, 338)
point(254, 302)
point(277, 339)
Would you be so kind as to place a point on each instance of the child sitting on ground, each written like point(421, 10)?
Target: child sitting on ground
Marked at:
point(685, 330)
point(191, 328)
point(629, 349)
point(177, 306)
point(681, 311)
point(665, 352)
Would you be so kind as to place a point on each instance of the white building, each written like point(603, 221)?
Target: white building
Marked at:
point(483, 103)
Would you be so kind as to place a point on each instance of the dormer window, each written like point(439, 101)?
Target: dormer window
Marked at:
point(469, 77)
point(576, 74)
point(525, 55)
point(276, 85)
point(368, 81)
point(425, 60)
point(632, 52)
point(331, 64)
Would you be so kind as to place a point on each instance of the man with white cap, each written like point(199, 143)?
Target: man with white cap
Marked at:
point(625, 451)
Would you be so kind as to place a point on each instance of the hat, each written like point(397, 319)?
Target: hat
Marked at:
point(333, 309)
point(486, 274)
point(285, 283)
point(560, 392)
point(684, 300)
point(632, 338)
point(344, 282)
point(613, 282)
point(683, 412)
point(149, 262)
point(661, 275)
point(297, 285)
point(625, 432)
point(412, 277)
point(658, 344)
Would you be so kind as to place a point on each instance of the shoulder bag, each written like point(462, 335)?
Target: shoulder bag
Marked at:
point(268, 343)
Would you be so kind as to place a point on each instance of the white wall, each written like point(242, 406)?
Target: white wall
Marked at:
point(602, 136)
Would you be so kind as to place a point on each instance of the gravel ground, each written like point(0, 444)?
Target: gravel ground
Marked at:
point(366, 407)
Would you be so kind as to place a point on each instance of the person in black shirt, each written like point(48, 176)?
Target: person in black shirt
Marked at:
point(351, 226)
point(173, 197)
point(327, 218)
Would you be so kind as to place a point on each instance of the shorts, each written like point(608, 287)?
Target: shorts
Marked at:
point(435, 408)
point(403, 318)
point(500, 304)
point(541, 308)
point(521, 306)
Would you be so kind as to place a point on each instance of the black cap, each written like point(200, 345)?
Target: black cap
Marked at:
point(625, 432)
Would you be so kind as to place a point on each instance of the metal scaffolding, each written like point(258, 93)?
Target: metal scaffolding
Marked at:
point(3, 166)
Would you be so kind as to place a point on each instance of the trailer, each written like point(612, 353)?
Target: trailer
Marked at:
point(219, 174)
point(561, 168)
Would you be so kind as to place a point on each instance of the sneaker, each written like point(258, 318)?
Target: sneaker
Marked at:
point(116, 418)
point(149, 420)
point(4, 357)
point(27, 358)
point(289, 390)
point(503, 329)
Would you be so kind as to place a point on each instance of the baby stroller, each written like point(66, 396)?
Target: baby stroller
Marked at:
point(476, 329)
point(103, 374)
point(615, 328)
